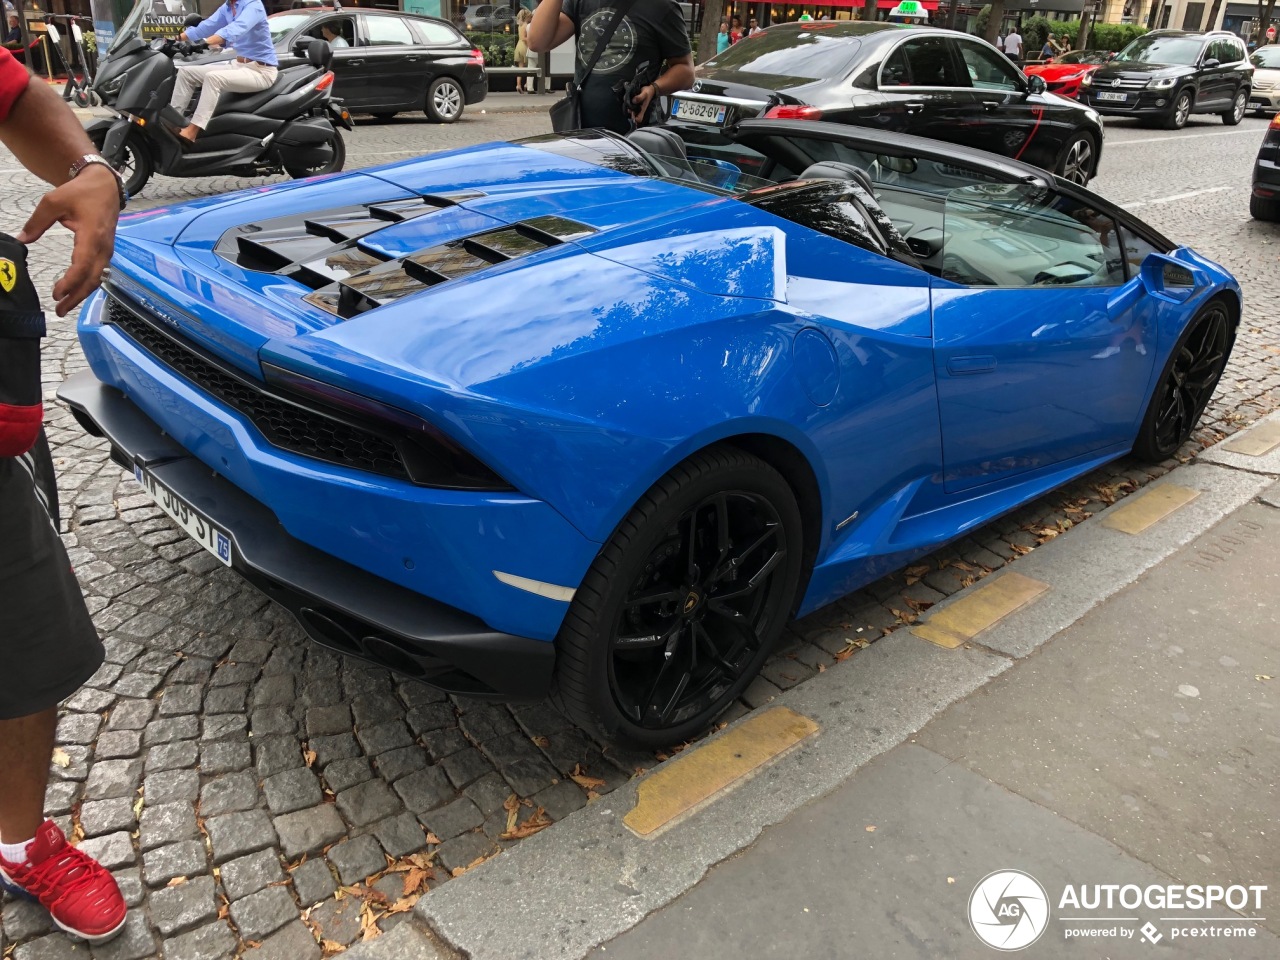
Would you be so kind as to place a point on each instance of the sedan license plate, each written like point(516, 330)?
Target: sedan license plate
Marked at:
point(699, 112)
point(196, 524)
point(1115, 97)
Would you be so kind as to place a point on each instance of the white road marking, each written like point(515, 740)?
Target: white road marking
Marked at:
point(1177, 196)
point(1189, 136)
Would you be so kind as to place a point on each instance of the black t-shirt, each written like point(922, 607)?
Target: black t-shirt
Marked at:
point(651, 32)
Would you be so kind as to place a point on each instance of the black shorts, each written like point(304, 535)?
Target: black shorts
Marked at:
point(48, 644)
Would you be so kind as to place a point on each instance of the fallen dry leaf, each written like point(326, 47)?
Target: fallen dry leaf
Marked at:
point(253, 944)
point(331, 947)
point(512, 806)
point(61, 758)
point(537, 821)
point(413, 881)
point(903, 616)
point(176, 882)
point(1019, 549)
point(542, 742)
point(432, 838)
point(309, 756)
point(918, 605)
point(917, 571)
point(584, 780)
point(870, 828)
point(401, 905)
point(951, 879)
point(459, 871)
point(1262, 676)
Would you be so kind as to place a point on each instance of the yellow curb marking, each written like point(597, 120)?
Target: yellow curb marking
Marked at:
point(699, 774)
point(1148, 507)
point(1262, 439)
point(963, 620)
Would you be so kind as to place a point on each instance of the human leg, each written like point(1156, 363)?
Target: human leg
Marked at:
point(26, 744)
point(232, 77)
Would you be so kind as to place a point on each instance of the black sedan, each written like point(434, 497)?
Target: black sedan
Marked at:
point(1264, 200)
point(932, 83)
point(386, 62)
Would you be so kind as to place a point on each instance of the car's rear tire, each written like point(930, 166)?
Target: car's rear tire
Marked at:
point(445, 100)
point(682, 605)
point(1264, 208)
point(1181, 112)
point(337, 160)
point(1079, 159)
point(136, 165)
point(1238, 107)
point(1187, 383)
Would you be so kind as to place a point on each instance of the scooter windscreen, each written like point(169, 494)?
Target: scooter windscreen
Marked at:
point(152, 19)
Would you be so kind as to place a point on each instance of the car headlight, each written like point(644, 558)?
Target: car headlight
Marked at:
point(1162, 84)
point(1086, 80)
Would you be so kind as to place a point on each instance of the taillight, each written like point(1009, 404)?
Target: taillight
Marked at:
point(477, 57)
point(1275, 122)
point(325, 82)
point(791, 111)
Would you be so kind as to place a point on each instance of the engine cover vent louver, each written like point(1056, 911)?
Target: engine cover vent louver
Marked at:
point(322, 251)
point(386, 282)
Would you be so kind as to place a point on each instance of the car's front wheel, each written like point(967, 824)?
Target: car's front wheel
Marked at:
point(1181, 112)
point(1238, 106)
point(683, 604)
point(1187, 383)
point(1078, 160)
point(445, 100)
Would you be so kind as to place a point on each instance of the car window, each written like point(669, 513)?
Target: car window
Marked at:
point(1019, 235)
point(923, 62)
point(988, 70)
point(344, 27)
point(435, 32)
point(1268, 58)
point(387, 31)
point(282, 25)
point(1136, 250)
point(806, 54)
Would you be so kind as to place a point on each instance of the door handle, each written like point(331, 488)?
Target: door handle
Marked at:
point(991, 106)
point(914, 106)
point(355, 63)
point(967, 366)
point(411, 59)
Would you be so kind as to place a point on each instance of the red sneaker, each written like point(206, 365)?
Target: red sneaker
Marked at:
point(79, 893)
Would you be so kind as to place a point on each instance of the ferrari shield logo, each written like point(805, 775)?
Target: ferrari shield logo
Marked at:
point(8, 274)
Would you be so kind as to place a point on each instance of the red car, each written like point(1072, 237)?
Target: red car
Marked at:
point(1062, 74)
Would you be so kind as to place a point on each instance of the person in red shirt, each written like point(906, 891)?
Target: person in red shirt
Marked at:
point(48, 644)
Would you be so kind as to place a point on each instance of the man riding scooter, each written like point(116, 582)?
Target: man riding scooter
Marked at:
point(241, 24)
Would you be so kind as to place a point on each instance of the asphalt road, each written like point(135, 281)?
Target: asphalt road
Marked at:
point(198, 662)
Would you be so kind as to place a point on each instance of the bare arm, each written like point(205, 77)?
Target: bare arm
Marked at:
point(47, 139)
point(549, 27)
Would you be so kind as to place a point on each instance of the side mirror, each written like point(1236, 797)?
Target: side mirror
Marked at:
point(301, 46)
point(1036, 84)
point(1170, 279)
point(1211, 63)
point(192, 20)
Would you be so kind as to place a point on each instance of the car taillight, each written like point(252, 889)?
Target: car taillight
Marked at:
point(1275, 122)
point(790, 111)
point(325, 82)
point(477, 57)
point(430, 457)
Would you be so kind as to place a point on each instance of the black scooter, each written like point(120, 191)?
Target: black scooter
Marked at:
point(291, 126)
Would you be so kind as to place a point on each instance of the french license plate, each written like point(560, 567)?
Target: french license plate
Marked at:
point(1115, 97)
point(699, 112)
point(1257, 104)
point(196, 524)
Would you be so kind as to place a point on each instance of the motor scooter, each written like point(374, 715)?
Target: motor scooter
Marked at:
point(290, 127)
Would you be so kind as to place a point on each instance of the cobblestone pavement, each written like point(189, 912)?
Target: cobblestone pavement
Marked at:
point(234, 775)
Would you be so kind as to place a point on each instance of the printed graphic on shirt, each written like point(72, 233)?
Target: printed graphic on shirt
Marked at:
point(620, 49)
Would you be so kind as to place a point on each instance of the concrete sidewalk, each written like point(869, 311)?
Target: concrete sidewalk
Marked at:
point(1118, 728)
point(1138, 747)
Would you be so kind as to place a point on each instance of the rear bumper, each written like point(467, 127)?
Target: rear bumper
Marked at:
point(340, 606)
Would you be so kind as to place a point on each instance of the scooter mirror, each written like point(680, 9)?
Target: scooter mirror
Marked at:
point(192, 20)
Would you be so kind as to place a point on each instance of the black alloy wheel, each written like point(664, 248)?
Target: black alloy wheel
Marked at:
point(1187, 383)
point(682, 606)
point(1181, 112)
point(1238, 107)
point(1078, 159)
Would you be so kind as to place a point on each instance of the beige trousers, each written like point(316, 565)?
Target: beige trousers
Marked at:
point(212, 79)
